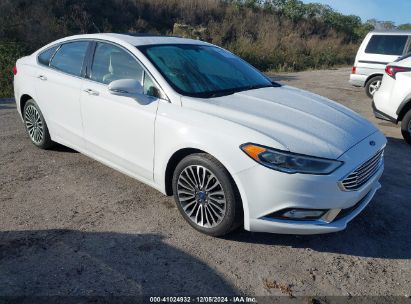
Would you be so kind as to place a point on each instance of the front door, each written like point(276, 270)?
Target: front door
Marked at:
point(118, 130)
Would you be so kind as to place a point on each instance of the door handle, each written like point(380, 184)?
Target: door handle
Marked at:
point(91, 92)
point(42, 77)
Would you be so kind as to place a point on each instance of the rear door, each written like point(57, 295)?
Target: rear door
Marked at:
point(58, 86)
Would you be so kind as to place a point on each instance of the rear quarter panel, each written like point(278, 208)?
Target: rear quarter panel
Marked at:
point(24, 81)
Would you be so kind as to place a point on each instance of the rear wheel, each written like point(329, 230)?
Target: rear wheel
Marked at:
point(406, 127)
point(206, 195)
point(373, 85)
point(36, 126)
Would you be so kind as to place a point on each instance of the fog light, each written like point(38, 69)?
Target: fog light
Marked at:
point(303, 214)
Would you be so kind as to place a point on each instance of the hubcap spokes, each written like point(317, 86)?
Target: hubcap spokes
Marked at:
point(201, 196)
point(375, 86)
point(34, 124)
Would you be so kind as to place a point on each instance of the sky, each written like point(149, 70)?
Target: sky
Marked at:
point(397, 11)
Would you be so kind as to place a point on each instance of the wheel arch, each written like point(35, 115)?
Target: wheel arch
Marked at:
point(404, 108)
point(184, 152)
point(172, 164)
point(372, 76)
point(23, 100)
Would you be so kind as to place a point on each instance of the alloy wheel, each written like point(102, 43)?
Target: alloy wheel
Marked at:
point(201, 196)
point(34, 124)
point(374, 86)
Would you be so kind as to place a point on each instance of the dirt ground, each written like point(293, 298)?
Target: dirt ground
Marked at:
point(71, 226)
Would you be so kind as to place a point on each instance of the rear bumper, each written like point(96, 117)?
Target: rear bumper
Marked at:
point(357, 80)
point(381, 115)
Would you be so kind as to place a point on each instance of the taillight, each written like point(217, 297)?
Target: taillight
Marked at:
point(393, 70)
point(354, 70)
point(15, 70)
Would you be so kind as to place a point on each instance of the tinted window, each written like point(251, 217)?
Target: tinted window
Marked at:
point(69, 58)
point(44, 57)
point(386, 45)
point(112, 63)
point(204, 71)
point(149, 87)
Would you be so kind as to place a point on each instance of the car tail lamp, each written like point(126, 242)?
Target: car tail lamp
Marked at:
point(14, 70)
point(354, 70)
point(393, 70)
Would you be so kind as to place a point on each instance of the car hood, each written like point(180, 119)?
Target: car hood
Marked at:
point(301, 121)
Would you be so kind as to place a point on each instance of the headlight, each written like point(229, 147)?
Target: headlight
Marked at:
point(290, 162)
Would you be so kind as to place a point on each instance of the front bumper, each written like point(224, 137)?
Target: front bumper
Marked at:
point(265, 192)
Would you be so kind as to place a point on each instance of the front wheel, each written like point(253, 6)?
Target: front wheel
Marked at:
point(36, 126)
point(373, 85)
point(406, 127)
point(206, 195)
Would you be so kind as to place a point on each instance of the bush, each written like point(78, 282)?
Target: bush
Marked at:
point(9, 53)
point(273, 35)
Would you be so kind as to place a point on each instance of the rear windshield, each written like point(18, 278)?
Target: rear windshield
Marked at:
point(387, 44)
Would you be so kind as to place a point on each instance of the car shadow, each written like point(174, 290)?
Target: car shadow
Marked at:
point(7, 104)
point(382, 230)
point(79, 263)
point(60, 148)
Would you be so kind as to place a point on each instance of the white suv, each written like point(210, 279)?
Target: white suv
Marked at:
point(376, 51)
point(393, 100)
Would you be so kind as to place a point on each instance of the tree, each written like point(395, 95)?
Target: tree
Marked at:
point(406, 26)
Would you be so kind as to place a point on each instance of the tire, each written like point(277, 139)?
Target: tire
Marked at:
point(36, 126)
point(206, 195)
point(372, 86)
point(406, 127)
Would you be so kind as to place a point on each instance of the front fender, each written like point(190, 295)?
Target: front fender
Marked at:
point(179, 128)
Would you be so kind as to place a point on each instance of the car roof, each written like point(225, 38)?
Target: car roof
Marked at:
point(391, 32)
point(138, 39)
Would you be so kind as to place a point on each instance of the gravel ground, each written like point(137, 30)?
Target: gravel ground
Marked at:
point(71, 226)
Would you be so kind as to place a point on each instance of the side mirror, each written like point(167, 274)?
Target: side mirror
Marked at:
point(126, 87)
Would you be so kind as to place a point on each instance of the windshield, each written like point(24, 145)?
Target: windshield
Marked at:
point(204, 71)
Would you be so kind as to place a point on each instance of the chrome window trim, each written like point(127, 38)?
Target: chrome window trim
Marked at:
point(91, 40)
point(60, 44)
point(145, 70)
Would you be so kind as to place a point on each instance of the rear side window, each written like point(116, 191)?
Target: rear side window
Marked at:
point(70, 57)
point(45, 56)
point(386, 44)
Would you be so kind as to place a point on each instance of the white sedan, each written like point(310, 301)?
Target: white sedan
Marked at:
point(194, 121)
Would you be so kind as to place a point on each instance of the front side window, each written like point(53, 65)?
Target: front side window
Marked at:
point(113, 63)
point(45, 56)
point(203, 71)
point(149, 88)
point(70, 57)
point(387, 44)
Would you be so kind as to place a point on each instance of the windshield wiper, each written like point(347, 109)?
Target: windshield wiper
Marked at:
point(235, 90)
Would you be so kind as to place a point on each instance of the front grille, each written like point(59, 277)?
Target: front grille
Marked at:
point(362, 174)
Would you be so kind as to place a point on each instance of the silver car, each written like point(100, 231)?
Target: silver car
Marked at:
point(376, 51)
